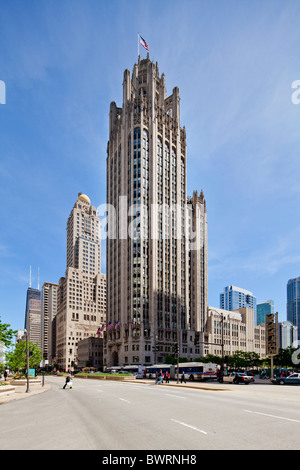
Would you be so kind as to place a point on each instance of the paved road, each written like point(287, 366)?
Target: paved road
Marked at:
point(122, 416)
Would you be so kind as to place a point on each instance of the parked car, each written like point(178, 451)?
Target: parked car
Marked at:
point(250, 377)
point(292, 379)
point(235, 378)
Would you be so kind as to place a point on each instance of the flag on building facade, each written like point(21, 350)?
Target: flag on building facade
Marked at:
point(109, 325)
point(117, 324)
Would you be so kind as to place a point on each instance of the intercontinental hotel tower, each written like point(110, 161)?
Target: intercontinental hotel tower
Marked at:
point(156, 236)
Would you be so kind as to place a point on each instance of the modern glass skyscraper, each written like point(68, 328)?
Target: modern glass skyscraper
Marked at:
point(157, 237)
point(293, 302)
point(234, 297)
point(264, 308)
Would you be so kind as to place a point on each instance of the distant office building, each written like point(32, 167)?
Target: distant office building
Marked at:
point(33, 316)
point(264, 308)
point(230, 331)
point(293, 302)
point(82, 292)
point(288, 334)
point(234, 297)
point(90, 353)
point(48, 322)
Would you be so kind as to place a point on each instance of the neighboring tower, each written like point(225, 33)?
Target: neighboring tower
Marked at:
point(48, 323)
point(293, 302)
point(197, 262)
point(149, 308)
point(234, 297)
point(82, 292)
point(33, 316)
point(288, 335)
point(264, 308)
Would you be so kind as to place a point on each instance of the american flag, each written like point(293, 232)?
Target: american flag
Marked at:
point(117, 324)
point(109, 325)
point(99, 332)
point(144, 44)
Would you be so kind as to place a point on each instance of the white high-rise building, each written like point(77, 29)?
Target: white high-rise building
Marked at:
point(82, 292)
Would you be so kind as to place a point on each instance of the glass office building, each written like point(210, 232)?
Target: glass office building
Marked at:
point(264, 308)
point(234, 297)
point(293, 302)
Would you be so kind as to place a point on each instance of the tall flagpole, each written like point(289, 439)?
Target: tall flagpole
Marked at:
point(138, 45)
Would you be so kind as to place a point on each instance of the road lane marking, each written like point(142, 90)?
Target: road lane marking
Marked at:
point(123, 399)
point(176, 396)
point(189, 426)
point(273, 416)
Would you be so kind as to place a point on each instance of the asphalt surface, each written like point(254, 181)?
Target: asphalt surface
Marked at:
point(139, 415)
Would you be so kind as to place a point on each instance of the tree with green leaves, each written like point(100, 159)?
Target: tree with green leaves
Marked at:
point(16, 359)
point(6, 334)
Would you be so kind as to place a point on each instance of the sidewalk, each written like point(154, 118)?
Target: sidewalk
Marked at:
point(20, 392)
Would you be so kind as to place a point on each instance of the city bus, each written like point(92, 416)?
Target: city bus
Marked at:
point(197, 371)
point(151, 370)
point(130, 369)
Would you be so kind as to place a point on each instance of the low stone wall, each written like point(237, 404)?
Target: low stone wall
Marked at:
point(24, 382)
point(105, 377)
point(7, 389)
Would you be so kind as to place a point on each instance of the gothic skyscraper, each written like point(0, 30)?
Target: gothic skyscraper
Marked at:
point(157, 237)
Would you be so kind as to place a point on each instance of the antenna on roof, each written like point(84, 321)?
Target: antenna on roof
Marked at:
point(38, 278)
point(30, 277)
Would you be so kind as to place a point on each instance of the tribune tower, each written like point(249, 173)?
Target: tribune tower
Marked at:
point(152, 302)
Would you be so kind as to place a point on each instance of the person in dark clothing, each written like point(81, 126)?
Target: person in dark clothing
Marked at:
point(68, 381)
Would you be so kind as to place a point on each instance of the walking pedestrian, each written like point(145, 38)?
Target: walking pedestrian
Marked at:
point(159, 377)
point(68, 381)
point(182, 378)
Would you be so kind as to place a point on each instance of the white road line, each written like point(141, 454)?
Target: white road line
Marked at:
point(176, 396)
point(189, 426)
point(123, 399)
point(273, 416)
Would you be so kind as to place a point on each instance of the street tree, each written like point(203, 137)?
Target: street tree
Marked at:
point(16, 359)
point(6, 334)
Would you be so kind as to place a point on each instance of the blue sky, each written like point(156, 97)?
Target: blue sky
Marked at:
point(234, 62)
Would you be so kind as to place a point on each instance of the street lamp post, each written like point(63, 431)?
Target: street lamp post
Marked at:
point(27, 361)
